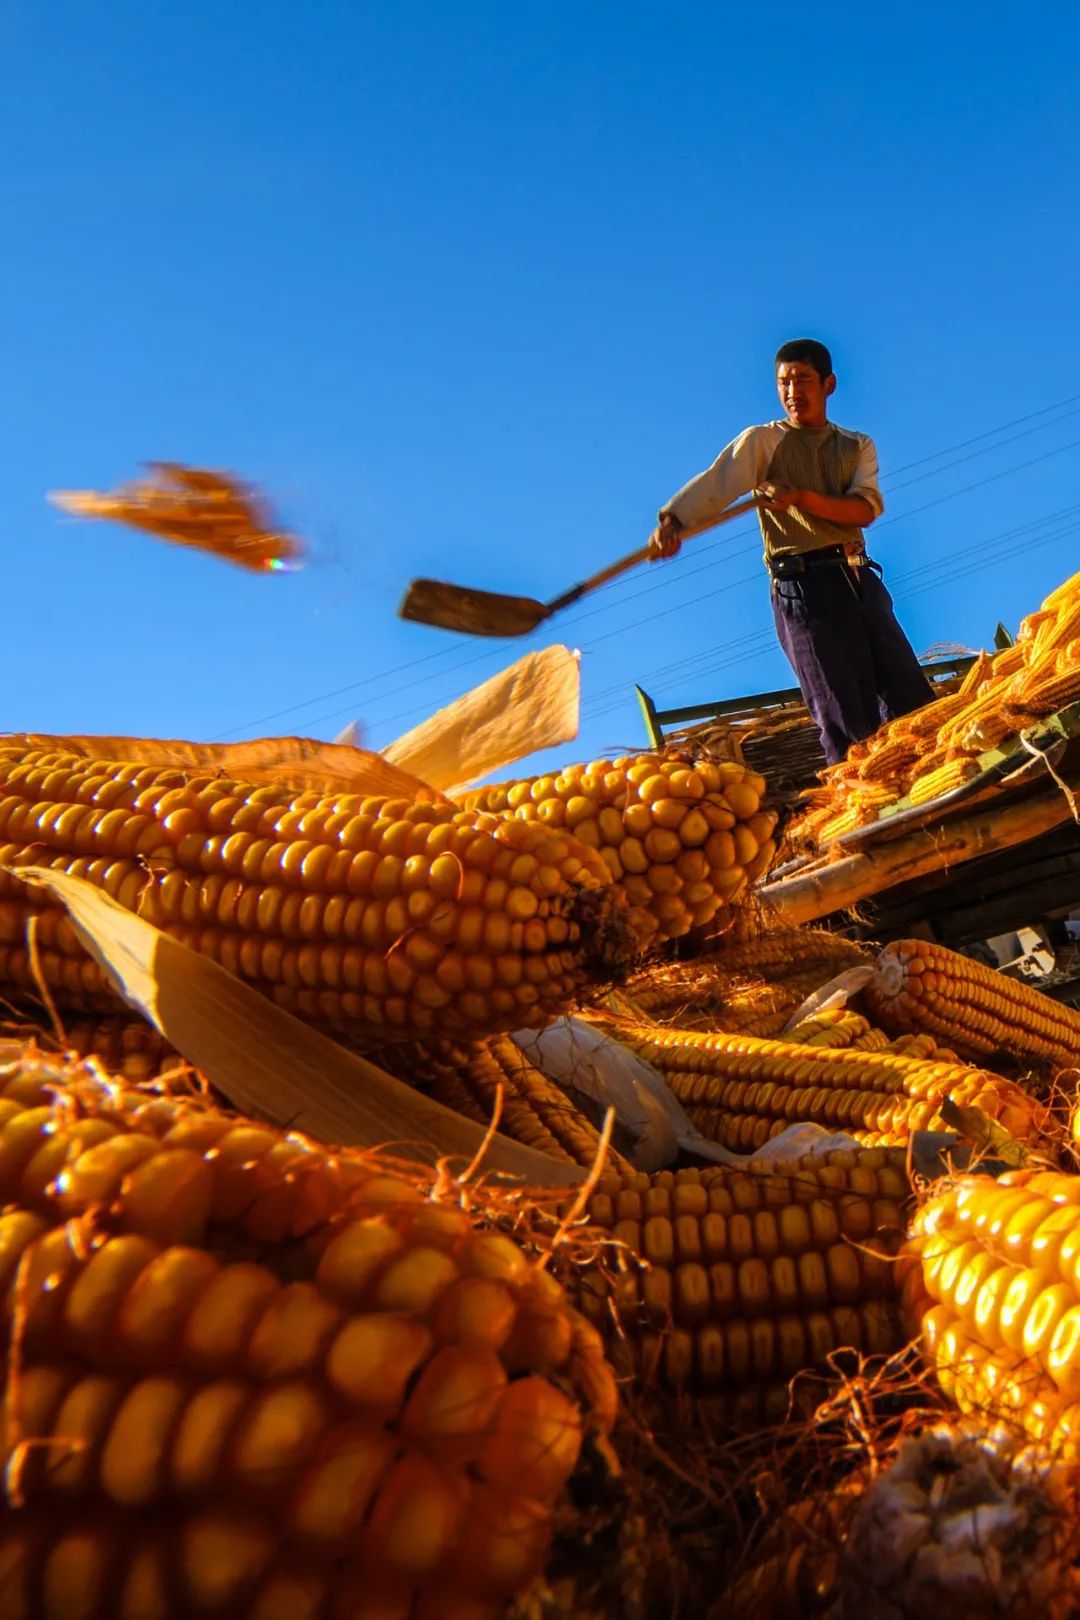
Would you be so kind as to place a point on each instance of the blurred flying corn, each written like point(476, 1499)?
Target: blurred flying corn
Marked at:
point(210, 511)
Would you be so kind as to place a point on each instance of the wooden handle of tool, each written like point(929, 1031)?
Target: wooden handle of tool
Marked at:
point(614, 569)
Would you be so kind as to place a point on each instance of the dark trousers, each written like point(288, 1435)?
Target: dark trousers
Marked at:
point(855, 666)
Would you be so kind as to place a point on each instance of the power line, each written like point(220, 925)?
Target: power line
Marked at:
point(499, 648)
point(989, 434)
point(755, 643)
point(991, 553)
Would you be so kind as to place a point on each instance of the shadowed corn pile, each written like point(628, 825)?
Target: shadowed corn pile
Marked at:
point(383, 1407)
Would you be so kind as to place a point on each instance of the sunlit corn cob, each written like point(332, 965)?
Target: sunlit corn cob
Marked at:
point(468, 1078)
point(842, 821)
point(934, 750)
point(682, 838)
point(427, 1391)
point(922, 986)
point(724, 1280)
point(836, 1028)
point(740, 1090)
point(380, 916)
point(921, 1046)
point(884, 764)
point(1055, 691)
point(944, 779)
point(994, 1288)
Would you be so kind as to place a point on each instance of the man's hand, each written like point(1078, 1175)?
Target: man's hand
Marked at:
point(665, 539)
point(779, 497)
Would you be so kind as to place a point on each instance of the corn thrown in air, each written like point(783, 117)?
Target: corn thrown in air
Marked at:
point(381, 917)
point(682, 838)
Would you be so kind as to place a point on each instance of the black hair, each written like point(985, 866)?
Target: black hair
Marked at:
point(809, 349)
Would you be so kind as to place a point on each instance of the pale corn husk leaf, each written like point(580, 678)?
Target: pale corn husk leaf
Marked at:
point(301, 764)
point(265, 1061)
point(534, 704)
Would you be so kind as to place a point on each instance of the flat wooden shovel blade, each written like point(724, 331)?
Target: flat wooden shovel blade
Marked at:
point(471, 612)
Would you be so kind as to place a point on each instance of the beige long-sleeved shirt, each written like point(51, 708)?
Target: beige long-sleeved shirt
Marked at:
point(834, 461)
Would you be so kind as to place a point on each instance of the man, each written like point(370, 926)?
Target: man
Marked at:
point(818, 488)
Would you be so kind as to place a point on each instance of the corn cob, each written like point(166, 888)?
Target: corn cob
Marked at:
point(697, 995)
point(922, 986)
point(741, 1090)
point(125, 1047)
point(735, 1281)
point(834, 1028)
point(468, 1078)
point(921, 1046)
point(407, 1417)
point(383, 917)
point(994, 1291)
point(963, 1518)
point(170, 1167)
point(782, 953)
point(682, 838)
point(933, 784)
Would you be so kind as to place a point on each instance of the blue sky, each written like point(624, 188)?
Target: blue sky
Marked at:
point(471, 288)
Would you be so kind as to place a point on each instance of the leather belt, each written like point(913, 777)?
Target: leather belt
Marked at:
point(790, 564)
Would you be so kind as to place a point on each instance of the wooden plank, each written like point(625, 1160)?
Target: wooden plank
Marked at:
point(1056, 852)
point(804, 898)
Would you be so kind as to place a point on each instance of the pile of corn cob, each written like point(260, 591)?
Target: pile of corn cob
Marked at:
point(683, 838)
point(248, 1376)
point(936, 749)
point(386, 918)
point(378, 916)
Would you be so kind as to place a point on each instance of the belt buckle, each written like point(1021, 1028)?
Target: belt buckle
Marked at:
point(788, 565)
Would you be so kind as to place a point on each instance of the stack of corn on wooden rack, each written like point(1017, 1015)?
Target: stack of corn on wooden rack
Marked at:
point(252, 1373)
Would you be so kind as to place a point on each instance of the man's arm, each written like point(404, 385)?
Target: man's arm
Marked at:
point(853, 511)
point(735, 472)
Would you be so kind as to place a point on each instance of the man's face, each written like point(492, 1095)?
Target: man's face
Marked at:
point(803, 393)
